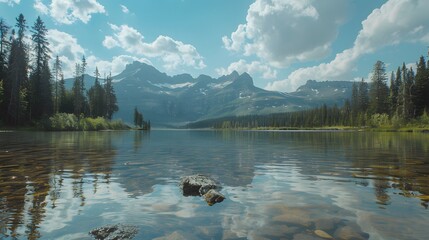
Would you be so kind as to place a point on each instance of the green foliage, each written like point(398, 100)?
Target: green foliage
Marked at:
point(62, 122)
point(379, 91)
point(30, 92)
point(69, 122)
point(379, 120)
point(424, 119)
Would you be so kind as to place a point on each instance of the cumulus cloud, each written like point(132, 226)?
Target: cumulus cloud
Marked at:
point(254, 67)
point(40, 7)
point(172, 52)
point(70, 52)
point(395, 22)
point(109, 42)
point(285, 31)
point(67, 48)
point(116, 65)
point(70, 11)
point(124, 9)
point(10, 2)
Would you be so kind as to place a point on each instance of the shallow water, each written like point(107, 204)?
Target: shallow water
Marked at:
point(278, 185)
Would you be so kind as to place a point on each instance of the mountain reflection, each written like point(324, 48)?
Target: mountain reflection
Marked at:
point(33, 168)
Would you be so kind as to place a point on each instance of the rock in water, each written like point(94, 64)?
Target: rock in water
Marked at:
point(200, 185)
point(114, 232)
point(213, 196)
point(197, 185)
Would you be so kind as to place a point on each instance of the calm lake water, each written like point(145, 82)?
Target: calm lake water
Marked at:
point(278, 185)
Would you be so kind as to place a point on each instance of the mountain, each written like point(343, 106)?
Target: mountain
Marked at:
point(176, 100)
point(328, 92)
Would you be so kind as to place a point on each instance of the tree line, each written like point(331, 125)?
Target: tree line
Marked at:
point(31, 91)
point(402, 101)
point(139, 121)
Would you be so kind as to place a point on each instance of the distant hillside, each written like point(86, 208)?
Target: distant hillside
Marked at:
point(328, 92)
point(177, 100)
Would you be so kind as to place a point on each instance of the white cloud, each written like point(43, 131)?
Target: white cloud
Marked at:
point(40, 7)
point(254, 67)
point(70, 11)
point(285, 31)
point(10, 2)
point(124, 9)
point(109, 42)
point(70, 52)
point(395, 22)
point(114, 66)
point(67, 48)
point(172, 52)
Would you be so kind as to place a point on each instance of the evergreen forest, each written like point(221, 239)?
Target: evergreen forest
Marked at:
point(33, 93)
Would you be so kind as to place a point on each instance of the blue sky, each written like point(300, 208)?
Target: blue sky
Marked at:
point(281, 43)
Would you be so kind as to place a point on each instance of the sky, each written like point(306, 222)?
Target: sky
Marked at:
point(280, 43)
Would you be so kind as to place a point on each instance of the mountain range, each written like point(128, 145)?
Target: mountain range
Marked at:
point(176, 100)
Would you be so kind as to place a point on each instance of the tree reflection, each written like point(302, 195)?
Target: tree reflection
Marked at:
point(38, 164)
point(395, 163)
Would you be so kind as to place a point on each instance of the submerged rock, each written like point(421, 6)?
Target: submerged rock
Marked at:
point(349, 233)
point(114, 232)
point(213, 196)
point(201, 185)
point(322, 234)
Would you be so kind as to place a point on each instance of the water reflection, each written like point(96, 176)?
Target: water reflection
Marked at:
point(277, 184)
point(33, 168)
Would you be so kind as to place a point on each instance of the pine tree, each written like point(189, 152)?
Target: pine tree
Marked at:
point(398, 84)
point(406, 93)
point(355, 101)
point(82, 85)
point(4, 43)
point(379, 91)
point(4, 48)
point(363, 96)
point(346, 112)
point(96, 97)
point(57, 73)
point(46, 89)
point(138, 118)
point(111, 102)
point(76, 91)
point(421, 89)
point(41, 91)
point(16, 86)
point(393, 94)
point(62, 93)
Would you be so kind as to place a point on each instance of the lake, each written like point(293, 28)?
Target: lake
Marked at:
point(278, 184)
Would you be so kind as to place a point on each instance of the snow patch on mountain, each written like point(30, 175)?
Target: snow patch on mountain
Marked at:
point(219, 85)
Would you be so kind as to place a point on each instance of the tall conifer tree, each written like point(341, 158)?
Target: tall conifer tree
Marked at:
point(379, 90)
point(421, 97)
point(16, 87)
point(41, 90)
